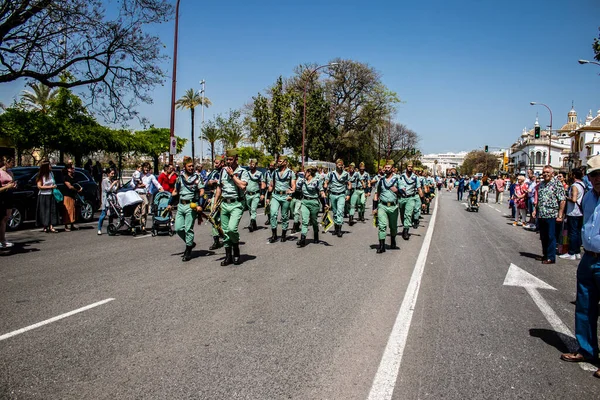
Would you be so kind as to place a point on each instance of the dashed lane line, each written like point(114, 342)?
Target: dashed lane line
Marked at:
point(54, 319)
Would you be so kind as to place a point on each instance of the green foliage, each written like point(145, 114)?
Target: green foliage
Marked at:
point(479, 161)
point(231, 129)
point(596, 47)
point(212, 134)
point(246, 153)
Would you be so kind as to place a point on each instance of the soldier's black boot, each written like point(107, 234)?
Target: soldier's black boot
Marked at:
point(254, 226)
point(187, 254)
point(393, 243)
point(216, 243)
point(381, 248)
point(250, 227)
point(316, 231)
point(302, 241)
point(273, 238)
point(339, 233)
point(236, 254)
point(361, 216)
point(405, 234)
point(351, 220)
point(416, 224)
point(296, 227)
point(228, 259)
point(283, 233)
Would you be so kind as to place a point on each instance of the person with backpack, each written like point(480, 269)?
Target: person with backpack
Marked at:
point(575, 215)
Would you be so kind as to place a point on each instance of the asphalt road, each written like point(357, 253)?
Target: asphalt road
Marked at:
point(308, 323)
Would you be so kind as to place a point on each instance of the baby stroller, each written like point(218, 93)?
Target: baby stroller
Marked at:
point(161, 218)
point(125, 205)
point(473, 204)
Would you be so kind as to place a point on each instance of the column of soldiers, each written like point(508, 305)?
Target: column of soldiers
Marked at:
point(300, 195)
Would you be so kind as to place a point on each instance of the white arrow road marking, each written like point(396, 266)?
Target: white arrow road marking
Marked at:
point(54, 319)
point(389, 367)
point(518, 277)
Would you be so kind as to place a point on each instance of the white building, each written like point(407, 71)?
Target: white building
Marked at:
point(445, 161)
point(585, 141)
point(531, 153)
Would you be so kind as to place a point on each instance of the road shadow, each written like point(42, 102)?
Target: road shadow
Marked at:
point(530, 255)
point(559, 341)
point(201, 253)
point(21, 248)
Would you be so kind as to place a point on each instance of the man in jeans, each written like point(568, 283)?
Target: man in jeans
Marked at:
point(531, 185)
point(575, 215)
point(549, 210)
point(588, 276)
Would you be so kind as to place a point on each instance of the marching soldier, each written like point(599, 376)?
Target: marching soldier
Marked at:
point(296, 201)
point(268, 179)
point(283, 184)
point(363, 191)
point(386, 195)
point(409, 182)
point(232, 183)
point(354, 182)
point(211, 184)
point(190, 188)
point(254, 192)
point(338, 185)
point(419, 200)
point(312, 190)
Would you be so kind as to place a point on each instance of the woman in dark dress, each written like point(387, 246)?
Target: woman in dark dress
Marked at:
point(46, 204)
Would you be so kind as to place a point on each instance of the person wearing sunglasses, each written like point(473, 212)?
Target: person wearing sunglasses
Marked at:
point(588, 275)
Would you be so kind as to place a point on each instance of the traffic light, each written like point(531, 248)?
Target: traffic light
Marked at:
point(413, 151)
point(537, 132)
point(486, 148)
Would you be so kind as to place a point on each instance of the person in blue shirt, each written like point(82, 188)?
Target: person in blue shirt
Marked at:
point(460, 188)
point(475, 187)
point(588, 275)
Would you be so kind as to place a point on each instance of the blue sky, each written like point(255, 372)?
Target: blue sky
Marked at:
point(467, 69)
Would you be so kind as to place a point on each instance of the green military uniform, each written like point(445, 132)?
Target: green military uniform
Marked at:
point(387, 210)
point(418, 201)
point(232, 207)
point(268, 178)
point(408, 184)
point(337, 187)
point(188, 188)
point(282, 184)
point(358, 200)
point(255, 180)
point(213, 176)
point(354, 195)
point(310, 205)
point(296, 203)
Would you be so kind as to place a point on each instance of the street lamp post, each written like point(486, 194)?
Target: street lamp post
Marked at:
point(588, 62)
point(534, 103)
point(203, 83)
point(304, 110)
point(174, 81)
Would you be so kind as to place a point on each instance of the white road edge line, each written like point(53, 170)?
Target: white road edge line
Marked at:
point(555, 322)
point(389, 367)
point(54, 319)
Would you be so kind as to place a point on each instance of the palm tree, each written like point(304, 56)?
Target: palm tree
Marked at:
point(212, 135)
point(190, 100)
point(40, 98)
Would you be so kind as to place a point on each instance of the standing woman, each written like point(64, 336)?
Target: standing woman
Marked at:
point(47, 215)
point(521, 201)
point(312, 189)
point(7, 184)
point(69, 197)
point(110, 183)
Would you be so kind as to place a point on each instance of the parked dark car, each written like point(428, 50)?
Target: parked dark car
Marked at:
point(25, 195)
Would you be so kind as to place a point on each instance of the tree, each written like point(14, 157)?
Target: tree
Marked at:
point(596, 47)
point(231, 128)
point(24, 129)
point(113, 54)
point(190, 100)
point(212, 134)
point(39, 98)
point(479, 161)
point(154, 142)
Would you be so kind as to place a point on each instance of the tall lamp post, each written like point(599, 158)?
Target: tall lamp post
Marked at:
point(588, 62)
point(174, 81)
point(203, 83)
point(534, 103)
point(304, 110)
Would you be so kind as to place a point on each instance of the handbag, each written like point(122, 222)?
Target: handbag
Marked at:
point(58, 196)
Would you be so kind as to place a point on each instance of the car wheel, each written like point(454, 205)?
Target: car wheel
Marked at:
point(15, 221)
point(86, 211)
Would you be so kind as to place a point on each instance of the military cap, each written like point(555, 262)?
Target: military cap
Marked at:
point(187, 160)
point(218, 158)
point(283, 157)
point(361, 165)
point(352, 164)
point(252, 160)
point(231, 152)
point(410, 164)
point(389, 162)
point(339, 160)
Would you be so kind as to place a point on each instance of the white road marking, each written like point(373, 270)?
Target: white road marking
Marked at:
point(518, 277)
point(389, 367)
point(54, 319)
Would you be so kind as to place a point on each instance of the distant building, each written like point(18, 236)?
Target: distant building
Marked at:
point(445, 162)
point(585, 141)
